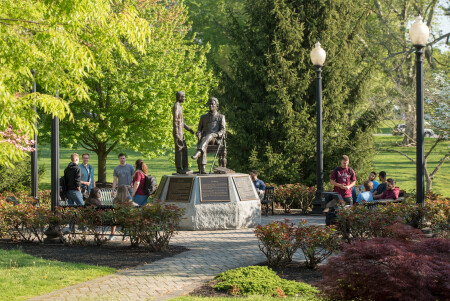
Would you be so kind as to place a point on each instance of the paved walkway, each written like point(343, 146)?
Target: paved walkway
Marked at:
point(211, 252)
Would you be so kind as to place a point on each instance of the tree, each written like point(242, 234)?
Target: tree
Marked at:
point(389, 47)
point(131, 97)
point(270, 97)
point(47, 36)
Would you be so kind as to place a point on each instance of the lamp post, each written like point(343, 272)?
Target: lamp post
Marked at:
point(419, 33)
point(318, 56)
point(34, 157)
point(55, 161)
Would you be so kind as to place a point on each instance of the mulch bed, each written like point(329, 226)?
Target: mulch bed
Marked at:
point(117, 254)
point(293, 271)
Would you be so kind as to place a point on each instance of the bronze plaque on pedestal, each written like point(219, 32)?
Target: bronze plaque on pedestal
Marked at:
point(244, 187)
point(179, 189)
point(214, 189)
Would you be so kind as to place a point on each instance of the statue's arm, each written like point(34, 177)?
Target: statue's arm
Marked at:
point(200, 128)
point(222, 127)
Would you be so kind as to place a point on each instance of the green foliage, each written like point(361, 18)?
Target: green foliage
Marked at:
point(18, 177)
point(269, 94)
point(260, 280)
point(48, 37)
point(131, 97)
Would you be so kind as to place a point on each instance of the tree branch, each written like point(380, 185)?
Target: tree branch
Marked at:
point(397, 151)
point(25, 21)
point(446, 157)
point(112, 147)
point(439, 139)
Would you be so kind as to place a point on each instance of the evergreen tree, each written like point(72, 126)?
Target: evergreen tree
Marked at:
point(269, 95)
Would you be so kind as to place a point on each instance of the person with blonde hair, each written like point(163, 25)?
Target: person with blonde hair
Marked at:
point(139, 195)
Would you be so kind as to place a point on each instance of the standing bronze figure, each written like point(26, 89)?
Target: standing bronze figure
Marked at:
point(181, 156)
point(211, 130)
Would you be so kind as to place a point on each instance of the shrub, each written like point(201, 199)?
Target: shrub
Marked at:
point(437, 214)
point(277, 241)
point(153, 225)
point(95, 222)
point(295, 196)
point(361, 222)
point(260, 280)
point(159, 222)
point(316, 242)
point(405, 267)
point(18, 178)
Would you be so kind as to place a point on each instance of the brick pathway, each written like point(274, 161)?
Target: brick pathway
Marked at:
point(211, 252)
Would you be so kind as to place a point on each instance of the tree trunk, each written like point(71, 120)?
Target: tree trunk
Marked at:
point(102, 155)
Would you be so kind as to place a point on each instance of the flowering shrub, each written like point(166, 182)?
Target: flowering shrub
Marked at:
point(295, 196)
point(404, 267)
point(260, 280)
point(159, 222)
point(277, 241)
point(130, 220)
point(316, 242)
point(96, 222)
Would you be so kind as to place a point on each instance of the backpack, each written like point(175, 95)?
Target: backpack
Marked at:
point(62, 188)
point(352, 172)
point(150, 185)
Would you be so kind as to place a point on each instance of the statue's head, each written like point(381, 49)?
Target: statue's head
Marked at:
point(181, 96)
point(213, 104)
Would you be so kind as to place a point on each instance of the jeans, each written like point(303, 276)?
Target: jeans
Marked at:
point(74, 196)
point(141, 200)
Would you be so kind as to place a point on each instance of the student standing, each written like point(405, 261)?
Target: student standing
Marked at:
point(87, 174)
point(123, 174)
point(139, 195)
point(343, 178)
point(72, 177)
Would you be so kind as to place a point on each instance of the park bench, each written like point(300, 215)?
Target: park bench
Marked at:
point(269, 196)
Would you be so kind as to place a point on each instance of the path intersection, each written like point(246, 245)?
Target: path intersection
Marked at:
point(210, 253)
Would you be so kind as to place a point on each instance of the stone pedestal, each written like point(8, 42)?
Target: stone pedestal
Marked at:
point(212, 201)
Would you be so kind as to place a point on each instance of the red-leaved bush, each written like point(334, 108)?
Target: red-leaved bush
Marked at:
point(405, 266)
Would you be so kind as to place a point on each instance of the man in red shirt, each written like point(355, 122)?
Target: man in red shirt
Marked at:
point(343, 178)
point(391, 191)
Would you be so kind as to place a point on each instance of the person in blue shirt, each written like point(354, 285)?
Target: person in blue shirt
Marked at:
point(372, 177)
point(367, 194)
point(259, 185)
point(87, 174)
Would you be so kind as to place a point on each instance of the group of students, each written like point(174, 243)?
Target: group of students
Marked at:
point(81, 188)
point(343, 178)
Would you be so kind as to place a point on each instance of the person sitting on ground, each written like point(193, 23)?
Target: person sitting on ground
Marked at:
point(391, 191)
point(94, 197)
point(366, 195)
point(259, 185)
point(382, 187)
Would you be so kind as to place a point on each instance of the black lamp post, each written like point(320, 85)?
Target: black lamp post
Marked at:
point(419, 33)
point(318, 56)
point(55, 160)
point(34, 157)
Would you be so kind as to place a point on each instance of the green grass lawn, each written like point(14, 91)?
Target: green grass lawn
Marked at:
point(395, 165)
point(23, 276)
point(404, 171)
point(250, 298)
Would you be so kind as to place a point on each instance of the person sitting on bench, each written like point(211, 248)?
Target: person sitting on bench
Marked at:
point(94, 197)
point(391, 191)
point(366, 195)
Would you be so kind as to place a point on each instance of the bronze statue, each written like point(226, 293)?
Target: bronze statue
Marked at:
point(211, 130)
point(181, 160)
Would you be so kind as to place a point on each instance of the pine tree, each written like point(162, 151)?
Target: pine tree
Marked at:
point(269, 95)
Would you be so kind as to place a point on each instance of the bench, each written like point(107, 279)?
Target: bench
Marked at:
point(106, 199)
point(269, 196)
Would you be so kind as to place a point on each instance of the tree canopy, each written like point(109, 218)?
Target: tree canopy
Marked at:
point(47, 36)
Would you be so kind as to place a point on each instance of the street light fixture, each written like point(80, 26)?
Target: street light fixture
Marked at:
point(318, 57)
point(419, 33)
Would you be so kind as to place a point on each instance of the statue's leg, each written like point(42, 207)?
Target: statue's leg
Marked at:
point(178, 155)
point(184, 156)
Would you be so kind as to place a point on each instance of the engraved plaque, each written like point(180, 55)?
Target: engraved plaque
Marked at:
point(244, 188)
point(161, 185)
point(214, 189)
point(179, 189)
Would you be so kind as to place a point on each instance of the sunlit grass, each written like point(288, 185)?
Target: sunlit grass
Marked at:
point(23, 276)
